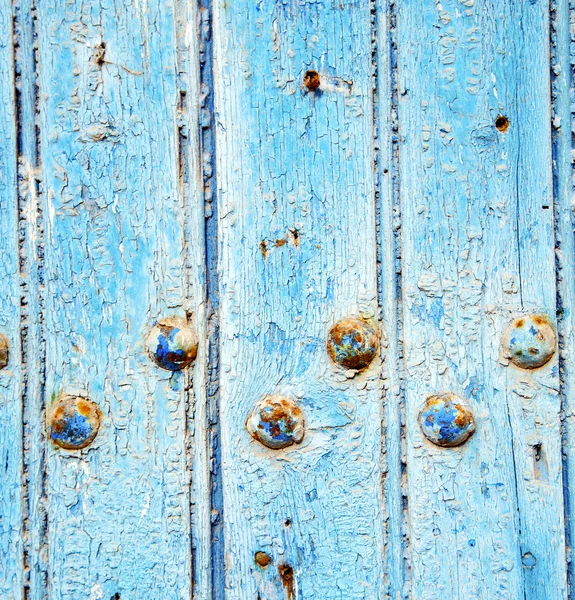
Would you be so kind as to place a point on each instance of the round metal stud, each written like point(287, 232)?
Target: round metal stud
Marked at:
point(530, 341)
point(172, 344)
point(352, 343)
point(4, 350)
point(73, 422)
point(446, 421)
point(277, 422)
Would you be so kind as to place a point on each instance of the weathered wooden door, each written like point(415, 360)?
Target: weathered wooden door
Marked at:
point(287, 302)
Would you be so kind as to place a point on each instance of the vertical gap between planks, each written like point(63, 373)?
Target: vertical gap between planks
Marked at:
point(208, 165)
point(388, 223)
point(31, 254)
point(561, 67)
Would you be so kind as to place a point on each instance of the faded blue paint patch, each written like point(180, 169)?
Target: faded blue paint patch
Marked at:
point(530, 341)
point(352, 343)
point(277, 422)
point(74, 422)
point(436, 312)
point(474, 387)
point(446, 421)
point(172, 344)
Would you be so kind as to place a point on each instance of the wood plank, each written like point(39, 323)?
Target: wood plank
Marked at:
point(124, 247)
point(297, 253)
point(11, 547)
point(485, 520)
point(32, 301)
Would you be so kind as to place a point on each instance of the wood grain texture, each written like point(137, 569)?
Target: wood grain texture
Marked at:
point(11, 548)
point(297, 253)
point(124, 247)
point(477, 249)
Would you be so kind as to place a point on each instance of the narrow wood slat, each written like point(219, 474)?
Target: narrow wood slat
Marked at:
point(390, 284)
point(563, 60)
point(478, 249)
point(297, 231)
point(11, 564)
point(121, 232)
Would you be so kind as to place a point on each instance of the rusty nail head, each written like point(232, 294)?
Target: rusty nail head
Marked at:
point(73, 422)
point(530, 341)
point(446, 421)
point(352, 343)
point(4, 350)
point(277, 422)
point(262, 559)
point(311, 80)
point(172, 344)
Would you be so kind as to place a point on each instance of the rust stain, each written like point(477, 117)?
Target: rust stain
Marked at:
point(286, 574)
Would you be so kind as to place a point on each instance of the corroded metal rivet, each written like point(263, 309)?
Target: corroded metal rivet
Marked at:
point(529, 342)
point(73, 422)
point(352, 343)
point(277, 422)
point(262, 559)
point(4, 351)
point(172, 344)
point(311, 80)
point(446, 421)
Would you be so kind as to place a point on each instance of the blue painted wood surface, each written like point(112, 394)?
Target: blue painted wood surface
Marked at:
point(478, 250)
point(122, 250)
point(298, 253)
point(11, 500)
point(167, 159)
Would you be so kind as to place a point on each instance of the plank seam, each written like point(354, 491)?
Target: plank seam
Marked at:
point(208, 166)
point(384, 27)
point(396, 226)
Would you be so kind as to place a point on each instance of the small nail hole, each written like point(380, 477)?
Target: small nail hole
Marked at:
point(529, 560)
point(116, 596)
point(287, 522)
point(311, 80)
point(502, 123)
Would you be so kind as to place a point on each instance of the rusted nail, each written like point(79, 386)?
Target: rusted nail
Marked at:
point(4, 350)
point(172, 344)
point(501, 123)
point(352, 343)
point(311, 80)
point(276, 422)
point(445, 420)
point(262, 559)
point(529, 342)
point(73, 422)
